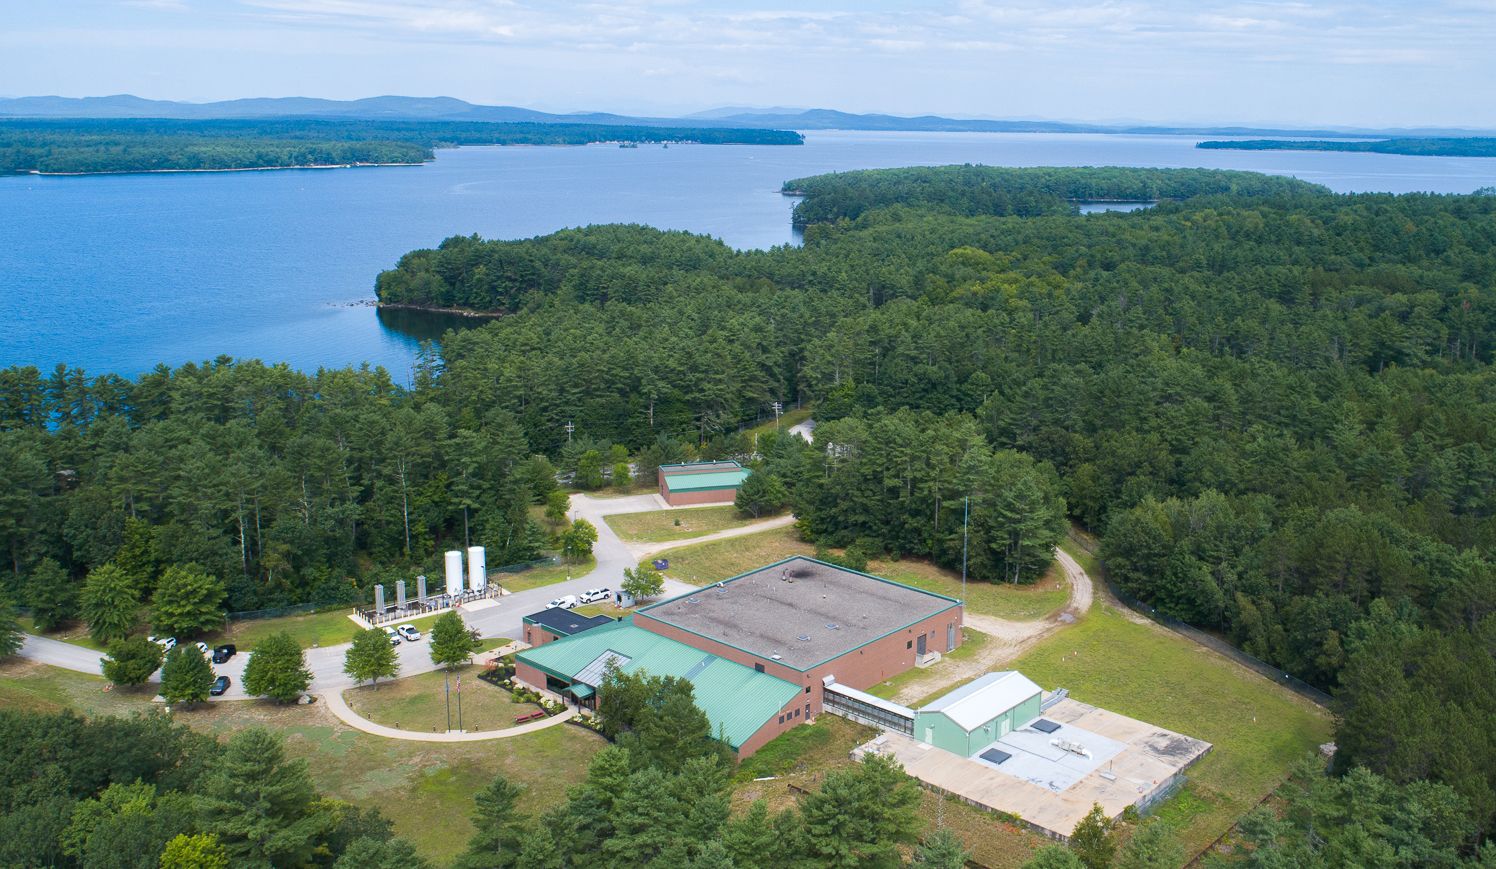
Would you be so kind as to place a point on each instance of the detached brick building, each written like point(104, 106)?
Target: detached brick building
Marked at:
point(701, 483)
point(762, 647)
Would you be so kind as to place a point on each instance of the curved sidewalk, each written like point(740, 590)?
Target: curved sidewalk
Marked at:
point(339, 707)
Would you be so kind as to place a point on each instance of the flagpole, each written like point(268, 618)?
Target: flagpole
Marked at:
point(447, 693)
point(459, 704)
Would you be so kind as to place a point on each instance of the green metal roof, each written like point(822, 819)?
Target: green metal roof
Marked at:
point(738, 700)
point(581, 691)
point(711, 480)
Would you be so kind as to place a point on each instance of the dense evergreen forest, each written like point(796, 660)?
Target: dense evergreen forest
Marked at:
point(1275, 405)
point(1472, 146)
point(145, 145)
point(1000, 192)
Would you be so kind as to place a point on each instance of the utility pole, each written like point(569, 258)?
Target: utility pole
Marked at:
point(778, 409)
point(965, 521)
point(569, 429)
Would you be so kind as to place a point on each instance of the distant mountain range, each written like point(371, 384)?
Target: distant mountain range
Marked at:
point(452, 109)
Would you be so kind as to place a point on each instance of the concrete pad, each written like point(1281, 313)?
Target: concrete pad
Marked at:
point(1045, 787)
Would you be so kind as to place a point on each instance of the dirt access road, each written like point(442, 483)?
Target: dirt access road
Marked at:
point(1007, 638)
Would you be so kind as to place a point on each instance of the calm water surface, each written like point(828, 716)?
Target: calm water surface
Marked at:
point(118, 273)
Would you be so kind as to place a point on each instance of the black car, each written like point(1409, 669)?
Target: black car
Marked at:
point(223, 653)
point(220, 685)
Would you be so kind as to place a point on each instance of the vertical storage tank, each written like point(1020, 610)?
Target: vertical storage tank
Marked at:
point(477, 569)
point(454, 572)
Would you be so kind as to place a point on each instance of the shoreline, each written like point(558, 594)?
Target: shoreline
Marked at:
point(233, 169)
point(432, 309)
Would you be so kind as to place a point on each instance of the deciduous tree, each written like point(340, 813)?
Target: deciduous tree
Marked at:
point(131, 661)
point(187, 602)
point(452, 642)
point(371, 656)
point(107, 603)
point(186, 676)
point(277, 669)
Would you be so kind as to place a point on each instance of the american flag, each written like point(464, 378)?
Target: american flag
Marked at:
point(459, 684)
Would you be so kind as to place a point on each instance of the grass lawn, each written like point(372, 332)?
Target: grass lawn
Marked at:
point(972, 642)
point(659, 526)
point(72, 632)
point(705, 563)
point(653, 488)
point(425, 788)
point(419, 703)
point(331, 628)
point(1148, 673)
point(546, 575)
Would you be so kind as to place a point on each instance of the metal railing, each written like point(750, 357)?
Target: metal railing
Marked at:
point(1209, 640)
point(412, 608)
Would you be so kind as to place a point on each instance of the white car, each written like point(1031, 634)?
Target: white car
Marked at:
point(166, 643)
point(408, 633)
point(394, 637)
point(593, 595)
point(204, 648)
point(565, 603)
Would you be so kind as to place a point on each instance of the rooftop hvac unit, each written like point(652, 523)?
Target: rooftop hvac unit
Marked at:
point(454, 572)
point(1071, 746)
point(477, 569)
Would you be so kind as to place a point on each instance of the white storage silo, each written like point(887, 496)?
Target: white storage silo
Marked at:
point(454, 572)
point(477, 569)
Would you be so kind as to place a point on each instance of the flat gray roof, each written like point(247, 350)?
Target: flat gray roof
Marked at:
point(803, 610)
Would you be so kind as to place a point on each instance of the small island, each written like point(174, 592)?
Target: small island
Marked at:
point(1429, 147)
point(94, 146)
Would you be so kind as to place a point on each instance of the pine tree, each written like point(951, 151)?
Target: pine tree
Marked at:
point(11, 636)
point(107, 603)
point(187, 602)
point(263, 808)
point(371, 853)
point(751, 839)
point(277, 669)
point(941, 849)
point(1093, 841)
point(53, 598)
point(371, 656)
point(452, 643)
point(186, 676)
point(132, 660)
point(498, 827)
point(861, 814)
point(761, 494)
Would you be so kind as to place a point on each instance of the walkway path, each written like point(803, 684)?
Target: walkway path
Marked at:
point(339, 707)
point(641, 551)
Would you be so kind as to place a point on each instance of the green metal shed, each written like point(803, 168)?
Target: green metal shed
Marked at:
point(979, 713)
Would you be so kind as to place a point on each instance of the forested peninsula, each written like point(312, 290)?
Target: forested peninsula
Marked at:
point(1275, 406)
point(1427, 147)
point(80, 147)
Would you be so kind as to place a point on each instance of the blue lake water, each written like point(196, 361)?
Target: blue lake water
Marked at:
point(118, 273)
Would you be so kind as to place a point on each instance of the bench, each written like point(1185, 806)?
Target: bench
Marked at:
point(521, 719)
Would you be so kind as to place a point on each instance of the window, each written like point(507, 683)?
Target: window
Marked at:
point(807, 689)
point(909, 645)
point(781, 719)
point(758, 667)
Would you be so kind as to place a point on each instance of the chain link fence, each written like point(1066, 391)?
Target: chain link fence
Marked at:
point(1287, 680)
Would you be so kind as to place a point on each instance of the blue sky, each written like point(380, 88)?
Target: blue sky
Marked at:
point(1303, 63)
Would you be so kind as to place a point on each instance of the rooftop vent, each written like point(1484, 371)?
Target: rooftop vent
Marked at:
point(804, 638)
point(775, 657)
point(833, 626)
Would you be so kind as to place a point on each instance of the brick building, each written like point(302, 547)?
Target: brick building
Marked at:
point(799, 623)
point(696, 483)
point(556, 623)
